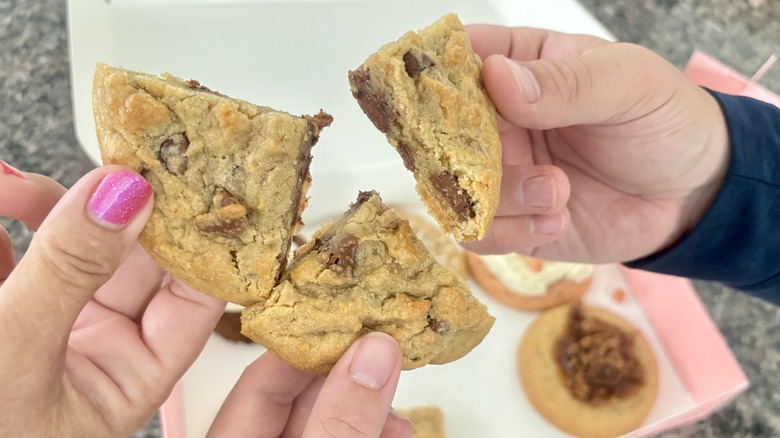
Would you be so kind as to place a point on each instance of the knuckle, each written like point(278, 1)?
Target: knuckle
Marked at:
point(337, 426)
point(573, 80)
point(88, 262)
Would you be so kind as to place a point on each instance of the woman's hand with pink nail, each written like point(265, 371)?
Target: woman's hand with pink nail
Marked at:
point(93, 335)
point(273, 399)
point(610, 153)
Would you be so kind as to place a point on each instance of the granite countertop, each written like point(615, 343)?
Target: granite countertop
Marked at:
point(37, 135)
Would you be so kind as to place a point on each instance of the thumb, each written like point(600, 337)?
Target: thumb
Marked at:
point(609, 83)
point(77, 248)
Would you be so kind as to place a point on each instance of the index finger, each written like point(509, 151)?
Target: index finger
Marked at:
point(260, 403)
point(28, 197)
point(528, 43)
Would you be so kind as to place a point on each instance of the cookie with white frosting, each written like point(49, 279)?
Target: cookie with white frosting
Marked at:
point(528, 283)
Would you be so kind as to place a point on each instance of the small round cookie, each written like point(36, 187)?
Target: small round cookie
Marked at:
point(610, 380)
point(527, 283)
point(441, 246)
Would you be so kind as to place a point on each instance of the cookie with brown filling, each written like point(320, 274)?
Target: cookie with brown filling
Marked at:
point(588, 371)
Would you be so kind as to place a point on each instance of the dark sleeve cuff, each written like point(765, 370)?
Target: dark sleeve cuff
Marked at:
point(738, 240)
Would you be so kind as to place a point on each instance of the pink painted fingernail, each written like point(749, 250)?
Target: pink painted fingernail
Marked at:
point(9, 170)
point(120, 196)
point(374, 361)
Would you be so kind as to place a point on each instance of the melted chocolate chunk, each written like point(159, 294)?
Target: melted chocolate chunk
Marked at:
point(299, 240)
point(440, 327)
point(406, 155)
point(456, 196)
point(597, 359)
point(341, 255)
point(173, 153)
point(371, 101)
point(362, 198)
point(414, 65)
point(227, 215)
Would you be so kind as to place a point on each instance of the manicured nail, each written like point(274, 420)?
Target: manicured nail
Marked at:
point(539, 192)
point(547, 225)
point(9, 170)
point(526, 80)
point(374, 361)
point(119, 197)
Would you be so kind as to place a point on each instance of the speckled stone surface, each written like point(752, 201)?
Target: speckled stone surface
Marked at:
point(36, 134)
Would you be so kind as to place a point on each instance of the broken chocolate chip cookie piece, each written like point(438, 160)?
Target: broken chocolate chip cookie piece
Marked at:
point(425, 93)
point(229, 177)
point(367, 271)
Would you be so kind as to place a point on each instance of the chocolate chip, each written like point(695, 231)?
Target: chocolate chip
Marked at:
point(341, 254)
point(362, 198)
point(197, 86)
point(173, 153)
point(440, 327)
point(223, 198)
point(373, 103)
point(414, 65)
point(223, 225)
point(299, 240)
point(406, 155)
point(460, 201)
point(227, 215)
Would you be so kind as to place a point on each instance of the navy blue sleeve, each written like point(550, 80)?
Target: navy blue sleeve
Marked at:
point(738, 240)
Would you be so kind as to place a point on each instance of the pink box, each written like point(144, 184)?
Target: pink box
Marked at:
point(709, 72)
point(700, 355)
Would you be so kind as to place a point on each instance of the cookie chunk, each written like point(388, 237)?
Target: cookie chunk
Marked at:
point(427, 421)
point(425, 93)
point(588, 371)
point(229, 177)
point(443, 248)
point(528, 283)
point(367, 272)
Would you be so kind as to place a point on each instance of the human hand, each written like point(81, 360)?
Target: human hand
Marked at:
point(273, 399)
point(610, 153)
point(93, 337)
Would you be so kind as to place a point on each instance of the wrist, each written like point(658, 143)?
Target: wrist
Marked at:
point(714, 163)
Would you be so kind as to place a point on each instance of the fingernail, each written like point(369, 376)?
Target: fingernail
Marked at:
point(119, 197)
point(539, 192)
point(398, 415)
point(374, 361)
point(526, 80)
point(9, 170)
point(546, 225)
